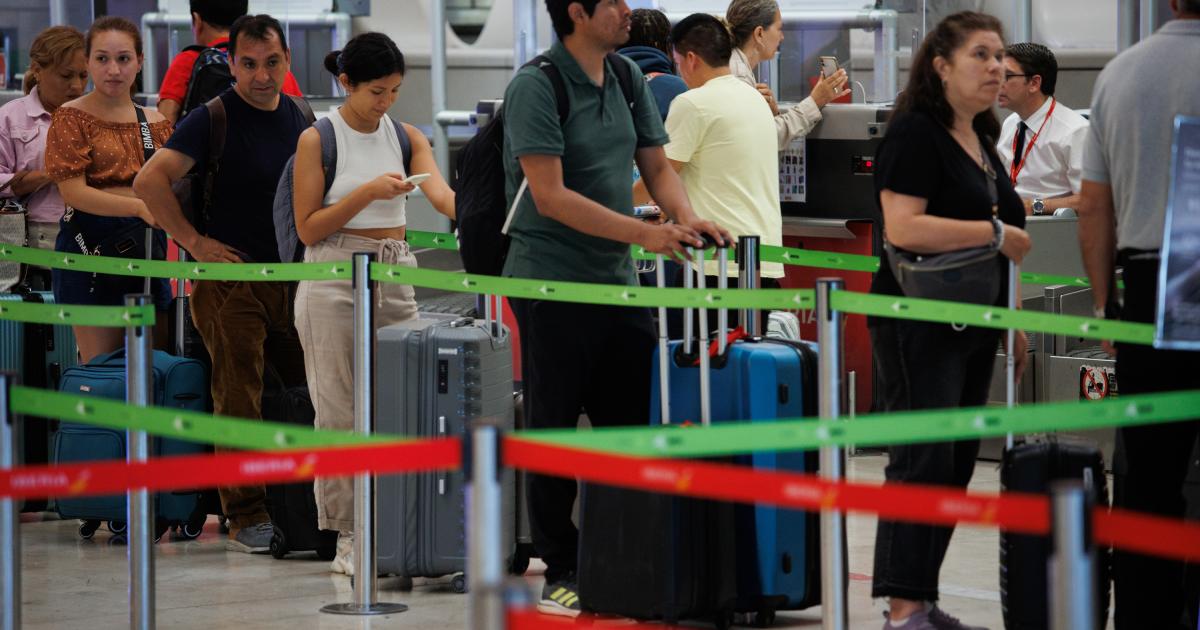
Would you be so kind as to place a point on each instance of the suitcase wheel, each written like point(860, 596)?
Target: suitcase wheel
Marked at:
point(279, 544)
point(458, 583)
point(117, 527)
point(87, 529)
point(764, 618)
point(192, 529)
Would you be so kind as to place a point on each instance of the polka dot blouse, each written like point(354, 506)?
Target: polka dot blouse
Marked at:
point(107, 154)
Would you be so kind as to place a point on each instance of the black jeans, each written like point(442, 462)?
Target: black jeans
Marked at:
point(1150, 590)
point(926, 366)
point(578, 358)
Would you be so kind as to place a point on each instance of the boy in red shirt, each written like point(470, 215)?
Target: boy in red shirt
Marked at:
point(211, 20)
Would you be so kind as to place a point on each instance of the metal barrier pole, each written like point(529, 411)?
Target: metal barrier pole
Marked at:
point(1010, 357)
point(366, 578)
point(485, 571)
point(1072, 564)
point(140, 504)
point(1148, 20)
point(1128, 23)
point(749, 277)
point(833, 542)
point(10, 523)
point(664, 359)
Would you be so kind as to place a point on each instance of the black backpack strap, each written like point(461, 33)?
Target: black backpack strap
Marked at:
point(624, 77)
point(196, 48)
point(544, 64)
point(305, 108)
point(217, 126)
point(405, 144)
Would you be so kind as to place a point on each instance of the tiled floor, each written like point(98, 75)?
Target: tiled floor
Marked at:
point(69, 583)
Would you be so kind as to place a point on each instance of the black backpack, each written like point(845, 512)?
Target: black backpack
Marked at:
point(210, 76)
point(480, 206)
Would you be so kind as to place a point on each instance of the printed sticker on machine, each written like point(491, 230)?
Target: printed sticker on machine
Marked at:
point(1097, 382)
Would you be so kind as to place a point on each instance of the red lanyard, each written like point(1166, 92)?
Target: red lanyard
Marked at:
point(1017, 165)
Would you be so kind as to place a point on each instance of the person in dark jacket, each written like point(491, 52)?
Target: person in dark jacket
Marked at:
point(650, 48)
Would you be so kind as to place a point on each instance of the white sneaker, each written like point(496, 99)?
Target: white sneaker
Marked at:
point(343, 562)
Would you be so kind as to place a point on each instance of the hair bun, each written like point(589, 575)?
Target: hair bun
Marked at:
point(332, 61)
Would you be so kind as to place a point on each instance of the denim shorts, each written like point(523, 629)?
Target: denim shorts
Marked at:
point(99, 289)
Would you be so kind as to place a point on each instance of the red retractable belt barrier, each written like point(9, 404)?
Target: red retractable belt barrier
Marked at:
point(1014, 512)
point(227, 469)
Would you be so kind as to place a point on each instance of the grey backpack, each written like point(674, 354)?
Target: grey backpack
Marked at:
point(286, 238)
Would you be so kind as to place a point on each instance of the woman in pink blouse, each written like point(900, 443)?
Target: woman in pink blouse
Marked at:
point(57, 73)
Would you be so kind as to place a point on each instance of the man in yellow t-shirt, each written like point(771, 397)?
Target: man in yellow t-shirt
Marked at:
point(723, 141)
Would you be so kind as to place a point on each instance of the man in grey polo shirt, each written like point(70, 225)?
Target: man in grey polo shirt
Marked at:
point(1121, 216)
point(576, 224)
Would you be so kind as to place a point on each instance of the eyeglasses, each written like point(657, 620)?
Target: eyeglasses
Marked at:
point(1008, 76)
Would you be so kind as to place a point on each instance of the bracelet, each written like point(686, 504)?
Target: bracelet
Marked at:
point(998, 237)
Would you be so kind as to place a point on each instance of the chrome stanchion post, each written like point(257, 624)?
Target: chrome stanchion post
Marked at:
point(10, 533)
point(485, 570)
point(833, 543)
point(705, 376)
point(1010, 357)
point(749, 278)
point(664, 359)
point(140, 504)
point(366, 578)
point(1072, 564)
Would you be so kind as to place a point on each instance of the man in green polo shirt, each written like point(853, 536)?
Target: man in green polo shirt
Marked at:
point(576, 224)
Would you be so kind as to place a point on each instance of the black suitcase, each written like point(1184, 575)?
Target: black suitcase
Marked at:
point(1024, 588)
point(293, 506)
point(651, 556)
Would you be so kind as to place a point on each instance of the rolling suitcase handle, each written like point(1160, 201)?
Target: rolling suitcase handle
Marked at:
point(748, 278)
point(498, 327)
point(705, 377)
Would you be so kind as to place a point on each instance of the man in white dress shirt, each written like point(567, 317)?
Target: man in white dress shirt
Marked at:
point(1041, 143)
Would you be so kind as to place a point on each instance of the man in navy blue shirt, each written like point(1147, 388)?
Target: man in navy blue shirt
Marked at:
point(243, 324)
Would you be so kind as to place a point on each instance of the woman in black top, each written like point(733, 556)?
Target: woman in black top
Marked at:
point(932, 182)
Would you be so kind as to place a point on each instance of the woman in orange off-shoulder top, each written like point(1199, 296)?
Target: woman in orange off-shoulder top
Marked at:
point(95, 147)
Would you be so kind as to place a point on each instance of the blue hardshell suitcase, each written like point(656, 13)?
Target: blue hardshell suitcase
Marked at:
point(178, 382)
point(756, 380)
point(759, 380)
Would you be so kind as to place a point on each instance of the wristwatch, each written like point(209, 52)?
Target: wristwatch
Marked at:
point(1039, 205)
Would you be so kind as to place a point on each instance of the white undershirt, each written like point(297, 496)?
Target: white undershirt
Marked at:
point(361, 157)
point(1054, 166)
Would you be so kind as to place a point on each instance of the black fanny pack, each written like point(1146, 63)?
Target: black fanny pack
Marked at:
point(967, 275)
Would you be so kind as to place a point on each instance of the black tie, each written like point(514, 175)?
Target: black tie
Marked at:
point(1019, 154)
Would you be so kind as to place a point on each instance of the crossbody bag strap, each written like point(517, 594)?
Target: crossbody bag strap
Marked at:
point(144, 134)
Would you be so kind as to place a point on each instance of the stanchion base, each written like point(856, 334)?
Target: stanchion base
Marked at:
point(378, 608)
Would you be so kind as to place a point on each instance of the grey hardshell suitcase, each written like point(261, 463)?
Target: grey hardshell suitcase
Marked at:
point(436, 376)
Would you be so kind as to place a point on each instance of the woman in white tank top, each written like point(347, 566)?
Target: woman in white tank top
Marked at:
point(363, 210)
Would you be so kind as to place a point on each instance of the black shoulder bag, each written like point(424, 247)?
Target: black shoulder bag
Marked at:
point(966, 275)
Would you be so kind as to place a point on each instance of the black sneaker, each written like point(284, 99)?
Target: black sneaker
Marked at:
point(560, 598)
